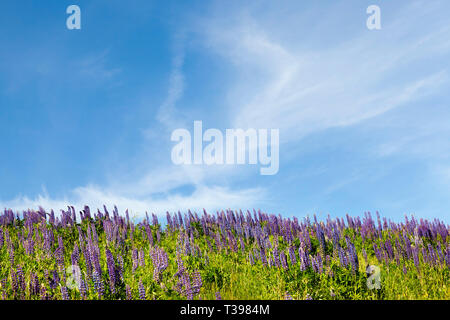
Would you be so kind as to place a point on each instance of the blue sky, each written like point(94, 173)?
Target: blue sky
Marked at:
point(364, 116)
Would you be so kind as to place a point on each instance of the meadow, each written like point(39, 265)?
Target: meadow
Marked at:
point(227, 255)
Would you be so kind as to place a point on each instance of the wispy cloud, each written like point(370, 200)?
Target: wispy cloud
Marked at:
point(95, 67)
point(167, 113)
point(302, 91)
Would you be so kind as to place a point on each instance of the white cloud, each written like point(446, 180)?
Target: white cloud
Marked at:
point(210, 198)
point(299, 91)
point(95, 67)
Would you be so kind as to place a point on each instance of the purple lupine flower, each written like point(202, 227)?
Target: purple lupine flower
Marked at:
point(128, 292)
point(287, 296)
point(283, 260)
point(305, 261)
point(21, 279)
point(271, 261)
point(83, 289)
point(377, 252)
point(440, 254)
point(180, 265)
point(319, 263)
point(61, 244)
point(187, 286)
point(276, 258)
point(29, 244)
point(64, 293)
point(389, 249)
point(11, 255)
point(447, 256)
point(187, 246)
point(75, 254)
point(98, 284)
point(96, 260)
point(43, 293)
point(432, 255)
point(14, 283)
point(292, 255)
point(111, 270)
point(342, 258)
point(54, 280)
point(415, 253)
point(18, 280)
point(160, 263)
point(135, 259)
point(197, 283)
point(353, 257)
point(242, 244)
point(408, 248)
point(34, 284)
point(141, 291)
point(210, 247)
point(59, 257)
point(158, 236)
point(321, 237)
point(119, 269)
point(155, 220)
point(263, 257)
point(148, 230)
point(141, 258)
point(314, 264)
point(251, 259)
point(397, 252)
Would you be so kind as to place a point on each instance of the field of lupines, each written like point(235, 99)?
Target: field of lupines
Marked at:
point(227, 255)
